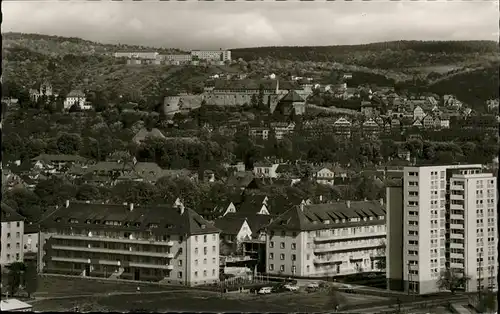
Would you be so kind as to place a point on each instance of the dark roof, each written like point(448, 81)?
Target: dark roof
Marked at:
point(230, 224)
point(110, 166)
point(31, 228)
point(59, 158)
point(143, 133)
point(240, 179)
point(255, 222)
point(313, 217)
point(292, 96)
point(9, 214)
point(168, 219)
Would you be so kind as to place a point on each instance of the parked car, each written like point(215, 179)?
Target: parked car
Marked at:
point(291, 287)
point(265, 290)
point(280, 287)
point(312, 286)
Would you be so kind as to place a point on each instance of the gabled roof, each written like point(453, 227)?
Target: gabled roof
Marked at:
point(144, 133)
point(291, 97)
point(9, 214)
point(76, 93)
point(110, 166)
point(169, 220)
point(240, 179)
point(230, 224)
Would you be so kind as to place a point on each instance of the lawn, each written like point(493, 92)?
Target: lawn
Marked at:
point(64, 294)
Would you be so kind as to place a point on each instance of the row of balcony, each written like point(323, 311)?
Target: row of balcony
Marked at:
point(112, 239)
point(112, 263)
point(339, 260)
point(359, 235)
point(319, 249)
point(103, 250)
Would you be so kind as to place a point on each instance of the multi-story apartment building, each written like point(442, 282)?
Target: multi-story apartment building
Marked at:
point(212, 55)
point(12, 236)
point(164, 244)
point(439, 218)
point(137, 55)
point(320, 240)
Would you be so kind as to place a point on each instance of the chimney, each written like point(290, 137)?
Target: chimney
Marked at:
point(67, 203)
point(131, 206)
point(321, 198)
point(381, 202)
point(348, 204)
point(181, 208)
point(302, 206)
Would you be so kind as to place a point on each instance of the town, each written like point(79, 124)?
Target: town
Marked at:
point(262, 186)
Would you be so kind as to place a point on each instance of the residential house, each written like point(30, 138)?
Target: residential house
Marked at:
point(143, 243)
point(417, 124)
point(30, 242)
point(369, 109)
point(265, 169)
point(12, 236)
point(370, 127)
point(240, 180)
point(418, 113)
point(143, 133)
point(281, 129)
point(76, 97)
point(234, 229)
point(342, 126)
point(57, 162)
point(428, 122)
point(324, 240)
point(291, 102)
point(259, 132)
point(45, 89)
point(324, 176)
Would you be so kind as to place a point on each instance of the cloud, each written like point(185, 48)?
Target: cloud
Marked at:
point(213, 25)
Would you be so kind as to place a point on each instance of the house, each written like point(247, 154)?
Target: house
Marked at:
point(342, 126)
point(12, 236)
point(369, 109)
point(240, 180)
point(428, 122)
point(324, 176)
point(282, 129)
point(144, 133)
point(417, 124)
point(253, 205)
point(259, 132)
point(234, 229)
point(291, 102)
point(418, 113)
point(75, 97)
point(57, 162)
point(287, 171)
point(30, 240)
point(265, 169)
point(333, 227)
point(180, 246)
point(45, 89)
point(370, 127)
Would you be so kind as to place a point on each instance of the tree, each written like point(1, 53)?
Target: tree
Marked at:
point(487, 302)
point(14, 277)
point(30, 279)
point(452, 280)
point(69, 143)
point(87, 192)
point(381, 262)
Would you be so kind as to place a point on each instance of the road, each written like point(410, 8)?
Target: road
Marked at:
point(408, 305)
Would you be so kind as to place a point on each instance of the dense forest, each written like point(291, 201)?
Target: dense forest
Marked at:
point(386, 55)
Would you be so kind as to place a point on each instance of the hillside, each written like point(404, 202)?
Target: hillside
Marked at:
point(60, 46)
point(386, 55)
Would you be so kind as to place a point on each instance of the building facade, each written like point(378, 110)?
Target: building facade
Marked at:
point(12, 236)
point(212, 55)
point(434, 225)
point(322, 240)
point(163, 244)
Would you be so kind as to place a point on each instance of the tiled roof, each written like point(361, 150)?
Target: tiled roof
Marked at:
point(313, 217)
point(253, 85)
point(110, 166)
point(76, 93)
point(9, 214)
point(168, 219)
point(240, 179)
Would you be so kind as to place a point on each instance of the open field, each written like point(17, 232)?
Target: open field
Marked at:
point(64, 294)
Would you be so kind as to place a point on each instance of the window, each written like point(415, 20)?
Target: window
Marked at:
point(205, 239)
point(179, 274)
point(282, 245)
point(8, 235)
point(180, 250)
point(213, 260)
point(271, 267)
point(195, 262)
point(282, 267)
point(294, 257)
point(204, 261)
point(179, 263)
point(205, 250)
point(18, 224)
point(8, 245)
point(196, 238)
point(214, 249)
point(18, 245)
point(196, 251)
point(213, 272)
point(308, 256)
point(282, 256)
point(214, 237)
point(271, 244)
point(294, 246)
point(294, 234)
point(283, 233)
point(204, 273)
point(271, 255)
point(196, 274)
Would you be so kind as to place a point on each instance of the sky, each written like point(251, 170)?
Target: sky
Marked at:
point(214, 25)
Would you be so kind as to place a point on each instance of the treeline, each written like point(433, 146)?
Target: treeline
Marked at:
point(386, 55)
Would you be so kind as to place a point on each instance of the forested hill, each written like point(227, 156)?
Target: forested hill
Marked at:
point(385, 55)
point(60, 46)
